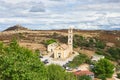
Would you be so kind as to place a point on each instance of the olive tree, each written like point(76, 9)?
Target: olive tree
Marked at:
point(104, 68)
point(18, 63)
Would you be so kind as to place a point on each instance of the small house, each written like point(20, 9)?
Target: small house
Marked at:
point(82, 73)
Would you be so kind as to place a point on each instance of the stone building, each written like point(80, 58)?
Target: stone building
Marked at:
point(62, 51)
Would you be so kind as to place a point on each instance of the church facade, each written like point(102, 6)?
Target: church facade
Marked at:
point(62, 51)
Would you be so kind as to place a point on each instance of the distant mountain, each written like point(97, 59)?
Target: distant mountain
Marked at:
point(116, 28)
point(16, 28)
point(113, 29)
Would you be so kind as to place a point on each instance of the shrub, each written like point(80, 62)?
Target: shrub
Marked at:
point(81, 58)
point(100, 52)
point(100, 44)
point(50, 41)
point(84, 77)
point(114, 52)
point(118, 75)
point(56, 72)
point(103, 68)
point(103, 77)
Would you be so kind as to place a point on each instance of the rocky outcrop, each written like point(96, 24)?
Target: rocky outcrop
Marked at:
point(16, 28)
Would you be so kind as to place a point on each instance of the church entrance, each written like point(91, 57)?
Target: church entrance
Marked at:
point(59, 55)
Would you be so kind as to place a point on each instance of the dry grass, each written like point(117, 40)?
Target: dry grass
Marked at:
point(34, 39)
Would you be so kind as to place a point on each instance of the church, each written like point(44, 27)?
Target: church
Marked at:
point(62, 51)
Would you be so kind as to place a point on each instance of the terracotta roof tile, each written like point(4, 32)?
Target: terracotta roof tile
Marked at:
point(80, 73)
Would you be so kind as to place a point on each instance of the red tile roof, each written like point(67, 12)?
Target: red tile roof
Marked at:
point(80, 73)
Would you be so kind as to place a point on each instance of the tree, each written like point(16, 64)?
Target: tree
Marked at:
point(84, 77)
point(100, 44)
point(56, 72)
point(70, 76)
point(50, 41)
point(78, 40)
point(103, 68)
point(81, 58)
point(114, 52)
point(18, 63)
point(118, 75)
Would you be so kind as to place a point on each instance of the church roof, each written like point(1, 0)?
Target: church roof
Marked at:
point(62, 47)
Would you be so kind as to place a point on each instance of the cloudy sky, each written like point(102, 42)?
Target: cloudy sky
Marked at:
point(60, 14)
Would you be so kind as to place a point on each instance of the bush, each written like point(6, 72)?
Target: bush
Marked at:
point(118, 75)
point(78, 40)
point(63, 39)
point(81, 58)
point(56, 72)
point(117, 68)
point(103, 77)
point(50, 41)
point(100, 52)
point(84, 77)
point(103, 68)
point(105, 53)
point(100, 44)
point(60, 38)
point(114, 52)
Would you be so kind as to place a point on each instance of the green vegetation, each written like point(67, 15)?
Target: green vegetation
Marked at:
point(117, 68)
point(115, 53)
point(50, 41)
point(103, 69)
point(60, 38)
point(18, 63)
point(112, 53)
point(56, 72)
point(100, 52)
point(100, 44)
point(80, 41)
point(84, 77)
point(81, 58)
point(103, 52)
point(118, 75)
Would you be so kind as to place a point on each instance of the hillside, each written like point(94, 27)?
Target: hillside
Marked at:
point(34, 39)
point(37, 37)
point(16, 28)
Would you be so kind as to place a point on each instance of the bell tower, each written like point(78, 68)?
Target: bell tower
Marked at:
point(70, 39)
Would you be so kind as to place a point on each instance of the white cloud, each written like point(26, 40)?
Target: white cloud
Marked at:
point(99, 7)
point(87, 26)
point(57, 14)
